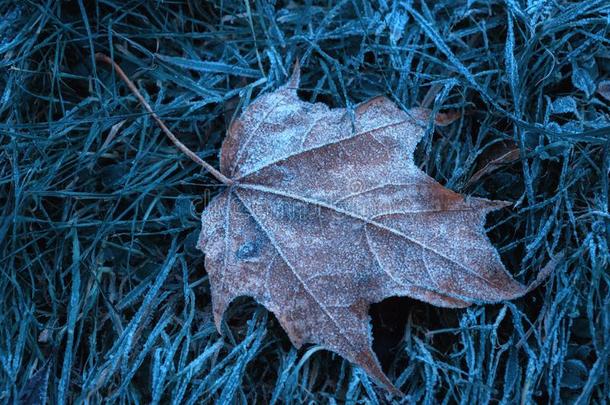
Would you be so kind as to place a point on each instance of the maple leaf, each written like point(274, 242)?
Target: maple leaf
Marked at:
point(324, 215)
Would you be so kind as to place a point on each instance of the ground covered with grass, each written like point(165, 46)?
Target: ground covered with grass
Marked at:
point(104, 295)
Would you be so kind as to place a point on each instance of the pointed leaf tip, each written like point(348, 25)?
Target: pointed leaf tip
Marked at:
point(295, 78)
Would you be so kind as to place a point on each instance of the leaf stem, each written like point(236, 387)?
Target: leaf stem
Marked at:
point(218, 175)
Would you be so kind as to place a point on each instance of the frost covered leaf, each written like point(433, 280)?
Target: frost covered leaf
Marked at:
point(326, 216)
point(603, 88)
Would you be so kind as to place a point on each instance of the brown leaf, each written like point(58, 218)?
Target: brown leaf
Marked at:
point(325, 216)
point(502, 155)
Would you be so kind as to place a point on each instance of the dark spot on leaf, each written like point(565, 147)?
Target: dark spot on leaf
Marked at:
point(247, 251)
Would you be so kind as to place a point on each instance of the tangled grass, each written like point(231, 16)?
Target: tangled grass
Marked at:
point(104, 296)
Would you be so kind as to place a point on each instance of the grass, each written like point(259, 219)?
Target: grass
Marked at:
point(104, 296)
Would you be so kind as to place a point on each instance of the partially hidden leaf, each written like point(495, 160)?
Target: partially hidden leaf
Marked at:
point(326, 214)
point(34, 392)
point(603, 89)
